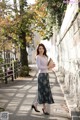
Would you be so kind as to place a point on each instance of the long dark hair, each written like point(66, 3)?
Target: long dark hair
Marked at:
point(45, 51)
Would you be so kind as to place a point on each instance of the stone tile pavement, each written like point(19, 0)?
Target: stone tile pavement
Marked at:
point(17, 98)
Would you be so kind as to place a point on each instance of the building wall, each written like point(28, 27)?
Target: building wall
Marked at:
point(68, 43)
point(32, 48)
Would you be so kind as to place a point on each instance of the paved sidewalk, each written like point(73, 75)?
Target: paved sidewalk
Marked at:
point(17, 98)
point(73, 110)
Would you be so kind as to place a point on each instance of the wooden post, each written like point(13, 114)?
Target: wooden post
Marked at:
point(5, 69)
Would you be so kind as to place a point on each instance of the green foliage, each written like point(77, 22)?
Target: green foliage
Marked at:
point(24, 71)
point(55, 12)
point(1, 74)
point(13, 25)
point(2, 109)
point(16, 24)
point(1, 60)
point(25, 17)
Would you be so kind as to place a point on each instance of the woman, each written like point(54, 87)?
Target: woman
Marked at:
point(44, 91)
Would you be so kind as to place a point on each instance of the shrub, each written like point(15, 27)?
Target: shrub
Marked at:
point(24, 71)
point(1, 60)
point(1, 74)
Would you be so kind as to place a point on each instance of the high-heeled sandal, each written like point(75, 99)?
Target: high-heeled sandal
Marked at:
point(33, 107)
point(46, 113)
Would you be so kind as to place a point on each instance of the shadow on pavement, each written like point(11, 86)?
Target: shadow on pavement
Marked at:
point(18, 97)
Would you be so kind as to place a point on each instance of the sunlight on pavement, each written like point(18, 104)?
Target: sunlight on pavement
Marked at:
point(20, 96)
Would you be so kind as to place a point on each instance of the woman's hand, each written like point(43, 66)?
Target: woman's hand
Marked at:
point(51, 66)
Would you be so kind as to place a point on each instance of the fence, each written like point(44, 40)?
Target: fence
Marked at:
point(9, 70)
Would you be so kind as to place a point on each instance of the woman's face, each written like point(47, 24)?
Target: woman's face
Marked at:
point(41, 50)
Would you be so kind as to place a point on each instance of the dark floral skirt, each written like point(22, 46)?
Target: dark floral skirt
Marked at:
point(44, 90)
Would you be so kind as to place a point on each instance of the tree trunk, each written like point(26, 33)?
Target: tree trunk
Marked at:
point(23, 52)
point(22, 36)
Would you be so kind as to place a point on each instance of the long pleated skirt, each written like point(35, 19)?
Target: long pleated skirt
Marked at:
point(44, 90)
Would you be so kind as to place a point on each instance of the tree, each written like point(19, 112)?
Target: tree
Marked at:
point(17, 27)
point(22, 36)
point(55, 10)
point(18, 24)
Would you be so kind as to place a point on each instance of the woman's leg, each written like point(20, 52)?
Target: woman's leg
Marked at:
point(44, 110)
point(44, 106)
point(34, 105)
